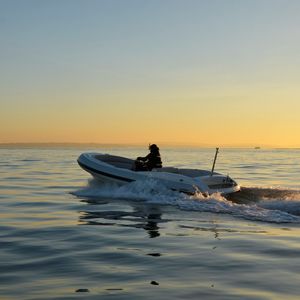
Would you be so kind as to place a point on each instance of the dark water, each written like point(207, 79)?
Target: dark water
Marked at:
point(64, 236)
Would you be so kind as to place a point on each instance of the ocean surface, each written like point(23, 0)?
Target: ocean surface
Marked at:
point(65, 236)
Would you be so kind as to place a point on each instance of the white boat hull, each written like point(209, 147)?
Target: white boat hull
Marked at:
point(119, 170)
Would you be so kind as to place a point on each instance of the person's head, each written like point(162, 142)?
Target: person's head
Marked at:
point(153, 148)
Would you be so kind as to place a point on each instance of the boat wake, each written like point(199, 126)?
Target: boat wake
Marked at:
point(273, 198)
point(253, 203)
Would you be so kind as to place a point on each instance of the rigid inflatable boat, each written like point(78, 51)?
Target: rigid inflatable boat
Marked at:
point(120, 170)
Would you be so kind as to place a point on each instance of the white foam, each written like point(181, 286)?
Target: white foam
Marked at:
point(151, 191)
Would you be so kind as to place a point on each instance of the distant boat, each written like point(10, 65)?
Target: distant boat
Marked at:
point(257, 148)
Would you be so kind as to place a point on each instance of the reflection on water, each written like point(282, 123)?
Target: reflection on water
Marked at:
point(150, 218)
point(151, 225)
point(146, 217)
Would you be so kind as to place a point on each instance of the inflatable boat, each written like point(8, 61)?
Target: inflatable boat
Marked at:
point(120, 170)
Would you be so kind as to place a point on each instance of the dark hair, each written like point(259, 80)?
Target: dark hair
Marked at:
point(153, 147)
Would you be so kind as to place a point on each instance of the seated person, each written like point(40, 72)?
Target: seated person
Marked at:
point(152, 160)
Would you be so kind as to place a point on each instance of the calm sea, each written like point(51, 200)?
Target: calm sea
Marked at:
point(64, 236)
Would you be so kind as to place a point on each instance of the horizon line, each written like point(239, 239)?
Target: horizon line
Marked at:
point(167, 144)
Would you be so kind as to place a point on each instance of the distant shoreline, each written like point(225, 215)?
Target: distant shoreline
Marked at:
point(106, 145)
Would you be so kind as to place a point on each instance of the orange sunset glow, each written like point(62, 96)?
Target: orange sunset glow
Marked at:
point(195, 73)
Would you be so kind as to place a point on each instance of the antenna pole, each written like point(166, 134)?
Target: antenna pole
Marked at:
point(213, 167)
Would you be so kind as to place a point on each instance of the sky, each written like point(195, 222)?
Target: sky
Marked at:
point(179, 72)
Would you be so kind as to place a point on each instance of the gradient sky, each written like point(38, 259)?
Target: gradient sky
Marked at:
point(212, 73)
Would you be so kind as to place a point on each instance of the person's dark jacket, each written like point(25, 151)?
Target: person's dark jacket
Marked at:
point(152, 160)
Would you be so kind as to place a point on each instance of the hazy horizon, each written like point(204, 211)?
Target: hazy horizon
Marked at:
point(139, 145)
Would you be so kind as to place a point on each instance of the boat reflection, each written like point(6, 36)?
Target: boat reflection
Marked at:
point(147, 217)
point(151, 217)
